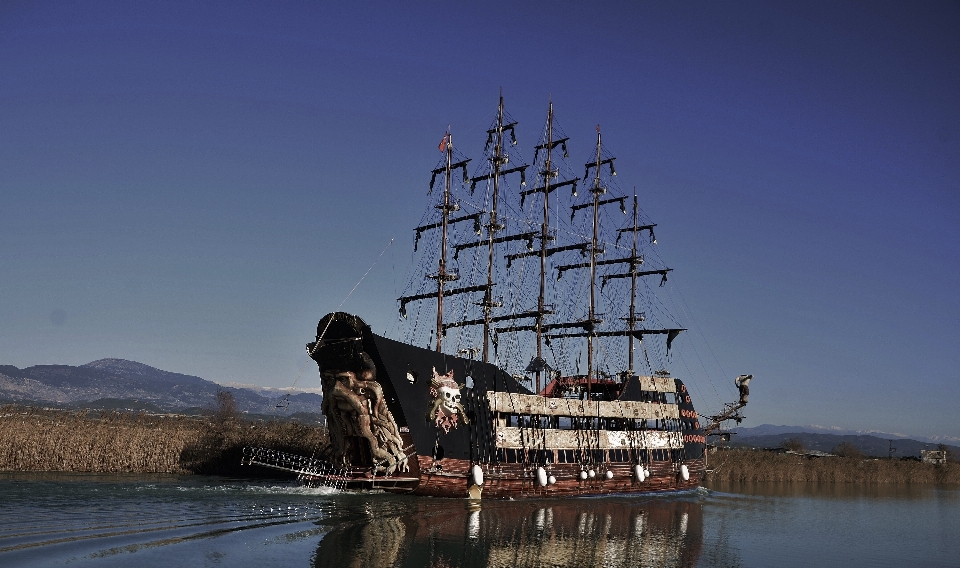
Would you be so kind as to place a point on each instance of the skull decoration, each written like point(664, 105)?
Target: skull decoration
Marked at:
point(451, 399)
point(445, 409)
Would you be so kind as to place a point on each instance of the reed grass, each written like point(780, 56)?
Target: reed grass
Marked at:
point(33, 439)
point(746, 466)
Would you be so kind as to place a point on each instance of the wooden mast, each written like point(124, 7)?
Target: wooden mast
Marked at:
point(633, 288)
point(544, 237)
point(492, 228)
point(442, 270)
point(596, 190)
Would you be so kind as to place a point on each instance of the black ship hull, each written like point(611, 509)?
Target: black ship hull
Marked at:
point(407, 419)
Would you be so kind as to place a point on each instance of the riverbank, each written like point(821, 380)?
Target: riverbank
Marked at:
point(746, 466)
point(33, 439)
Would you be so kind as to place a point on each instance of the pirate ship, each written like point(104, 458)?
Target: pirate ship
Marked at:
point(485, 395)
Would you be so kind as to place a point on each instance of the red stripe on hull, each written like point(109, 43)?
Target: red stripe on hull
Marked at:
point(450, 478)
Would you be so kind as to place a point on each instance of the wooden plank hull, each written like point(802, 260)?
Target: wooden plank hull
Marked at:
point(512, 481)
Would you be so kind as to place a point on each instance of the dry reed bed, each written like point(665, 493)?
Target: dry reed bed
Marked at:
point(33, 439)
point(760, 466)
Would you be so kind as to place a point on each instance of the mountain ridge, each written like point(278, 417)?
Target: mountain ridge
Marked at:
point(115, 380)
point(770, 436)
point(771, 429)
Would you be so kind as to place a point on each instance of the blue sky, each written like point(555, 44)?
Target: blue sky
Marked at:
point(192, 185)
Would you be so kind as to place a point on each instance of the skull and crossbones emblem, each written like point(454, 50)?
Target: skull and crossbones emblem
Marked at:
point(445, 409)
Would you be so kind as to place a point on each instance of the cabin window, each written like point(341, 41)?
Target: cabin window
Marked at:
point(656, 396)
point(615, 424)
point(621, 456)
point(509, 455)
point(540, 457)
point(468, 382)
point(565, 456)
point(670, 397)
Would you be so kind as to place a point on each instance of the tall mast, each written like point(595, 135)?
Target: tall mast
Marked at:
point(544, 236)
point(633, 288)
point(442, 270)
point(492, 229)
point(596, 190)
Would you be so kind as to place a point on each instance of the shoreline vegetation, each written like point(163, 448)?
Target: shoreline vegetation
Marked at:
point(736, 465)
point(34, 439)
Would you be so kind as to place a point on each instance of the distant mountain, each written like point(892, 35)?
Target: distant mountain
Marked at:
point(112, 383)
point(770, 430)
point(769, 436)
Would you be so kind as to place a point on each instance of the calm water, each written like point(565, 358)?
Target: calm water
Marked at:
point(97, 520)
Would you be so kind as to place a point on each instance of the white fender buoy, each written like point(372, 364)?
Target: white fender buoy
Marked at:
point(551, 480)
point(638, 473)
point(583, 475)
point(609, 474)
point(542, 477)
point(646, 472)
point(685, 472)
point(592, 474)
point(476, 475)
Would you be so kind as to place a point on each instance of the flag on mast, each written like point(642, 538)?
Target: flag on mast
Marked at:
point(443, 143)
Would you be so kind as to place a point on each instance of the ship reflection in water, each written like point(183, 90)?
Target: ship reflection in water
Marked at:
point(437, 533)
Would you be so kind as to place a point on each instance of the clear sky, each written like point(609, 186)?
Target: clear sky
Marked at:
point(192, 185)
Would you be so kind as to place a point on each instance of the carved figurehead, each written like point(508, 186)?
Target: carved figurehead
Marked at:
point(445, 409)
point(743, 385)
point(362, 428)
